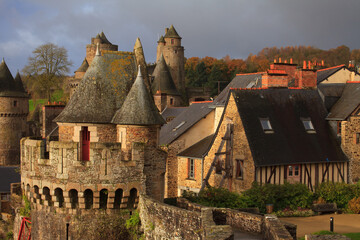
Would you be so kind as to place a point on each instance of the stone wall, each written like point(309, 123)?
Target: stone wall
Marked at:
point(161, 221)
point(49, 113)
point(350, 146)
point(274, 229)
point(70, 132)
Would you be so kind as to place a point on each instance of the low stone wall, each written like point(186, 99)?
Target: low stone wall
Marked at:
point(162, 221)
point(274, 229)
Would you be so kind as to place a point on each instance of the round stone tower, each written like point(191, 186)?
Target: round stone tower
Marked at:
point(14, 108)
point(170, 47)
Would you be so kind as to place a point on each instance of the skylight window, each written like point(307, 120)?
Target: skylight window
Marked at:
point(178, 126)
point(265, 123)
point(309, 127)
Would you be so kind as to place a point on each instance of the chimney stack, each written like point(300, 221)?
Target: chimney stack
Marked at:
point(166, 30)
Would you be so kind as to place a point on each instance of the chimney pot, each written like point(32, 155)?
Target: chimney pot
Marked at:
point(280, 60)
point(304, 64)
point(291, 61)
point(322, 63)
point(274, 60)
point(285, 61)
point(309, 65)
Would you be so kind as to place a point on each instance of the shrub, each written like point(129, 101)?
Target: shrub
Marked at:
point(339, 193)
point(354, 205)
point(26, 209)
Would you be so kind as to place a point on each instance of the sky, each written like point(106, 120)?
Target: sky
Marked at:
point(214, 28)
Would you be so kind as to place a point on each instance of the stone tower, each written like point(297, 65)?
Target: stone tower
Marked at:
point(106, 154)
point(14, 108)
point(163, 87)
point(103, 43)
point(170, 46)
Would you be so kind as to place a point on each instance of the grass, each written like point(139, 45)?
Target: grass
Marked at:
point(33, 104)
point(353, 236)
point(56, 96)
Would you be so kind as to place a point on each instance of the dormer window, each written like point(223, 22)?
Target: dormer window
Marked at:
point(309, 127)
point(265, 123)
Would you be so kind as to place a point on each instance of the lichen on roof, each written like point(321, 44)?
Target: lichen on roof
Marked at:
point(171, 33)
point(103, 89)
point(8, 86)
point(84, 66)
point(138, 108)
point(163, 81)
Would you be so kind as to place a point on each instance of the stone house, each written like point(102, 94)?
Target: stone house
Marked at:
point(272, 130)
point(106, 153)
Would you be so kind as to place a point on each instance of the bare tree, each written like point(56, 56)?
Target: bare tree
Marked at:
point(46, 68)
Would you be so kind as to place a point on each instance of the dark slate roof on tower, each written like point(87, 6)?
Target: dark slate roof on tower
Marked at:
point(188, 118)
point(8, 86)
point(288, 142)
point(19, 83)
point(103, 89)
point(163, 81)
point(349, 101)
point(161, 39)
point(327, 72)
point(138, 107)
point(252, 80)
point(84, 66)
point(171, 33)
point(104, 39)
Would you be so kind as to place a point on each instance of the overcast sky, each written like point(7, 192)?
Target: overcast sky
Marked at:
point(208, 27)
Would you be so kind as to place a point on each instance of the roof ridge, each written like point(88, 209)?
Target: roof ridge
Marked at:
point(341, 65)
point(243, 74)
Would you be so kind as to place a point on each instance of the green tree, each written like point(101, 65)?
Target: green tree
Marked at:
point(46, 69)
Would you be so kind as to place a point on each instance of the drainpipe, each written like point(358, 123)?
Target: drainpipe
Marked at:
point(202, 171)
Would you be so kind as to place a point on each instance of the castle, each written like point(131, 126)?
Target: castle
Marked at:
point(106, 152)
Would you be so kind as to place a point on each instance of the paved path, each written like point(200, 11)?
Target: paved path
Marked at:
point(343, 223)
point(246, 236)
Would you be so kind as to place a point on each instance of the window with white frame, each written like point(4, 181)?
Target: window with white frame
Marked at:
point(191, 168)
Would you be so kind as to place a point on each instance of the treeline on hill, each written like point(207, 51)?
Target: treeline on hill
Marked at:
point(208, 71)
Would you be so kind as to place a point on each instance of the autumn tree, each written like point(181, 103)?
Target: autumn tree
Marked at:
point(46, 69)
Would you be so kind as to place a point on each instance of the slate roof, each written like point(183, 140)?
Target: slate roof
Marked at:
point(84, 66)
point(188, 118)
point(19, 83)
point(138, 107)
point(349, 101)
point(252, 80)
point(103, 38)
point(199, 149)
point(171, 33)
point(8, 86)
point(8, 175)
point(327, 72)
point(103, 89)
point(163, 81)
point(161, 39)
point(289, 143)
point(330, 93)
point(172, 111)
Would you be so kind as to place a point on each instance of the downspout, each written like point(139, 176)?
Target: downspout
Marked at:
point(202, 171)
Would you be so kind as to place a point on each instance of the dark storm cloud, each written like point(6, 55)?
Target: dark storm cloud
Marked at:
point(208, 28)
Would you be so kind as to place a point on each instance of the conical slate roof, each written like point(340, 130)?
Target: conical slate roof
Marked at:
point(84, 66)
point(94, 99)
point(161, 39)
point(171, 33)
point(103, 38)
point(8, 86)
point(138, 108)
point(19, 83)
point(163, 81)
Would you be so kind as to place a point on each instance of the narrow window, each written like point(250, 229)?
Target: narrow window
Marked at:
point(290, 171)
point(172, 41)
point(103, 198)
point(191, 168)
point(85, 144)
point(293, 170)
point(118, 198)
point(15, 103)
point(239, 169)
point(338, 128)
point(132, 198)
point(74, 200)
point(89, 196)
point(357, 138)
point(171, 101)
point(296, 171)
point(265, 123)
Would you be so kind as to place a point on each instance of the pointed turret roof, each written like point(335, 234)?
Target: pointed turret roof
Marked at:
point(137, 44)
point(138, 107)
point(103, 38)
point(162, 79)
point(161, 39)
point(8, 86)
point(19, 83)
point(171, 33)
point(84, 66)
point(94, 100)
